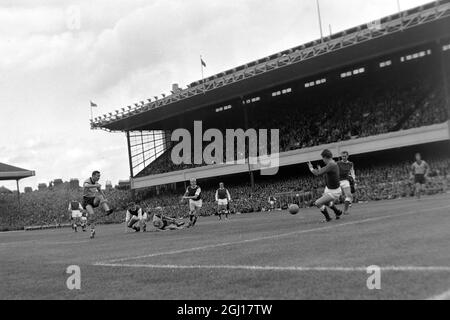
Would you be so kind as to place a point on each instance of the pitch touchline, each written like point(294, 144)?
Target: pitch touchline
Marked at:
point(223, 244)
point(37, 242)
point(275, 268)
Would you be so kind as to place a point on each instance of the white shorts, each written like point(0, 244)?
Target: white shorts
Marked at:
point(335, 194)
point(222, 202)
point(345, 184)
point(193, 205)
point(76, 214)
point(272, 203)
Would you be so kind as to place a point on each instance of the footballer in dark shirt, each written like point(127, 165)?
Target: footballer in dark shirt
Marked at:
point(333, 188)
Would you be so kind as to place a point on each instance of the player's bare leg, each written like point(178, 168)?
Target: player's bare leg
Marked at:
point(418, 190)
point(78, 222)
point(83, 223)
point(74, 224)
point(322, 203)
point(348, 200)
point(104, 204)
point(91, 220)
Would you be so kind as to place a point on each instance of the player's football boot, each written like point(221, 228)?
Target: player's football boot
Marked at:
point(326, 215)
point(338, 214)
point(110, 211)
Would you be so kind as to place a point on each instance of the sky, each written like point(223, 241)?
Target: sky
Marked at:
point(57, 55)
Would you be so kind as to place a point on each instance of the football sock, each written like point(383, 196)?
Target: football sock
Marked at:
point(336, 210)
point(325, 213)
point(346, 206)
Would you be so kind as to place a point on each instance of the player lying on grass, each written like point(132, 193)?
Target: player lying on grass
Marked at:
point(162, 222)
point(193, 194)
point(136, 218)
point(94, 197)
point(223, 199)
point(333, 189)
point(77, 216)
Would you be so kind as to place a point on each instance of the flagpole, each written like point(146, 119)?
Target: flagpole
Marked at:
point(203, 79)
point(399, 8)
point(320, 20)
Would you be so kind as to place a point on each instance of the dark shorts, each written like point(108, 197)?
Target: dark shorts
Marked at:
point(89, 201)
point(419, 178)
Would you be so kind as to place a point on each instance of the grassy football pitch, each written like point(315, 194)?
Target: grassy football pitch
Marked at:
point(251, 256)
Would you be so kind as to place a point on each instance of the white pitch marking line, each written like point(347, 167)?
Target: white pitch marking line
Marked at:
point(37, 242)
point(442, 296)
point(275, 268)
point(223, 244)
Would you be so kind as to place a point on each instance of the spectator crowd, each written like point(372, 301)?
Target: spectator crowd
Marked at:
point(380, 182)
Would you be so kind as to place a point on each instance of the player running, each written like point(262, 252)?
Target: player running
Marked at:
point(136, 218)
point(193, 194)
point(77, 216)
point(94, 197)
point(223, 199)
point(419, 171)
point(332, 190)
point(347, 179)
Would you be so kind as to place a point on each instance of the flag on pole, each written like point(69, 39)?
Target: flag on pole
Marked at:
point(203, 65)
point(93, 105)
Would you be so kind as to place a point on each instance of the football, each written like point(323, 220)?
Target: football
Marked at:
point(293, 209)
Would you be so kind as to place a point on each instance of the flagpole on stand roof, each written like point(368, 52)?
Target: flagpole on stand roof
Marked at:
point(92, 104)
point(203, 64)
point(320, 20)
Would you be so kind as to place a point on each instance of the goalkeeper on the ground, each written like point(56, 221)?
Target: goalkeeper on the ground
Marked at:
point(163, 222)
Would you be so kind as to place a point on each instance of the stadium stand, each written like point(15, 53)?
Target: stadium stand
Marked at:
point(359, 108)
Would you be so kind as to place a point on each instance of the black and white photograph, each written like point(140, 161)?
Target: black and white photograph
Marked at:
point(224, 156)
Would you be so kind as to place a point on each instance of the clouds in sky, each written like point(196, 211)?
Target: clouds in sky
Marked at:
point(124, 52)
